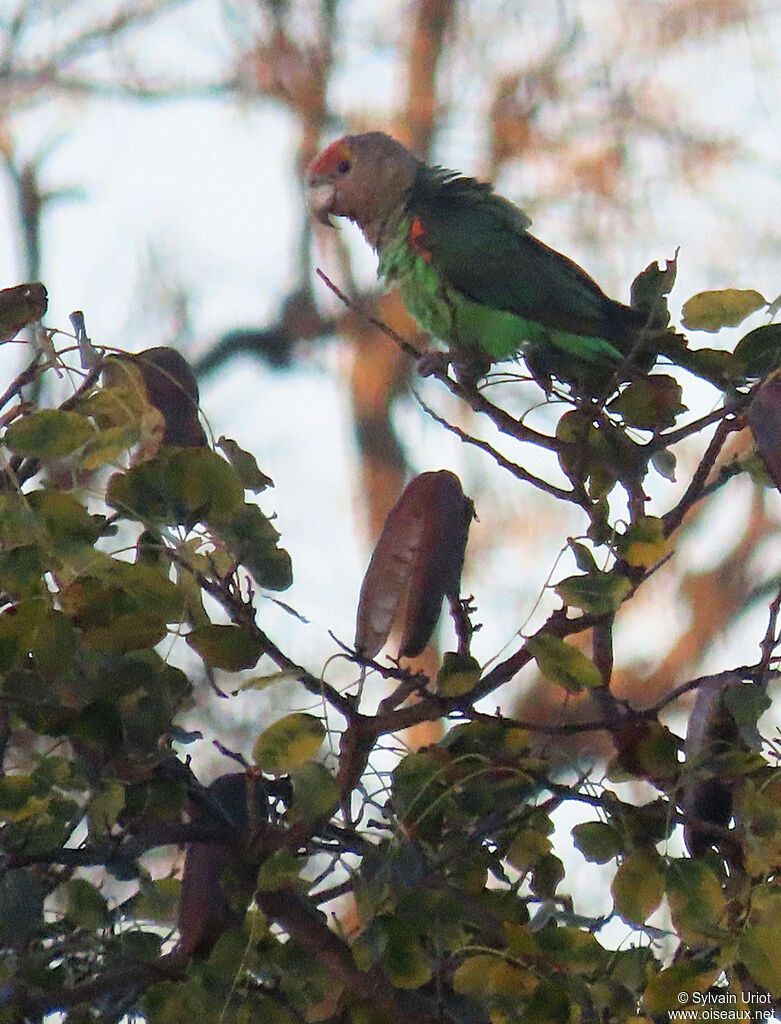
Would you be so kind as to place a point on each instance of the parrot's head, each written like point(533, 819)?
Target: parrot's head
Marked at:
point(362, 177)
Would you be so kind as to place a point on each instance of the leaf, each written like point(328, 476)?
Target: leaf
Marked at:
point(758, 948)
point(696, 900)
point(597, 592)
point(262, 682)
point(281, 870)
point(664, 462)
point(315, 792)
point(48, 434)
point(650, 288)
point(19, 306)
point(668, 989)
point(85, 907)
point(396, 945)
point(644, 543)
point(764, 419)
point(597, 841)
point(104, 809)
point(572, 949)
point(252, 539)
point(489, 974)
point(527, 849)
point(67, 521)
point(563, 664)
point(650, 403)
point(288, 743)
point(245, 465)
point(420, 552)
point(109, 445)
point(457, 675)
point(711, 310)
point(172, 389)
point(638, 886)
point(21, 904)
point(227, 647)
point(583, 557)
point(21, 571)
point(759, 351)
point(179, 485)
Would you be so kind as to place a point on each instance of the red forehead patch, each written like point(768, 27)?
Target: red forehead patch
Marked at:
point(331, 157)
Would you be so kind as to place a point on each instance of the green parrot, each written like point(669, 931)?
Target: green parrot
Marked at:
point(469, 271)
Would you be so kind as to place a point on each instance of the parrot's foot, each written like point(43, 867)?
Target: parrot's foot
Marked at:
point(468, 366)
point(434, 363)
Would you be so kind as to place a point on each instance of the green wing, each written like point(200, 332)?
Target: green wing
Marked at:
point(478, 244)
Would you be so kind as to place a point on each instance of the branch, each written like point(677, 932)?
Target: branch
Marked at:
point(696, 489)
point(512, 467)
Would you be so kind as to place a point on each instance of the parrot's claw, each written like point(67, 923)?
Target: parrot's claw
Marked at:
point(434, 363)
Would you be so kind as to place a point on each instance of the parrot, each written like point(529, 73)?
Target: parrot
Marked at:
point(468, 270)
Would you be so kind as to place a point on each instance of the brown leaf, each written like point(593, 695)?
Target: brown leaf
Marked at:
point(172, 388)
point(20, 306)
point(420, 553)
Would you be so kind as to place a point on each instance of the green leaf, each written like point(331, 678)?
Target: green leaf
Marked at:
point(280, 871)
point(252, 540)
point(457, 675)
point(562, 663)
point(598, 592)
point(528, 848)
point(48, 434)
point(650, 403)
point(696, 901)
point(179, 485)
point(315, 792)
point(104, 809)
point(158, 900)
point(583, 556)
point(85, 907)
point(245, 465)
point(758, 948)
point(638, 886)
point(644, 543)
point(400, 951)
point(597, 841)
point(69, 524)
point(650, 288)
point(228, 647)
point(109, 446)
point(288, 743)
point(21, 570)
point(667, 989)
point(21, 904)
point(19, 627)
point(18, 798)
point(572, 949)
point(546, 875)
point(486, 975)
point(759, 351)
point(728, 307)
point(263, 682)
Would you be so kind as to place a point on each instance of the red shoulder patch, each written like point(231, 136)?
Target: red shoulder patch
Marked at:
point(331, 156)
point(417, 232)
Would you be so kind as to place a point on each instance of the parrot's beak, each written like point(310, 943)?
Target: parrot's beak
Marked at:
point(320, 199)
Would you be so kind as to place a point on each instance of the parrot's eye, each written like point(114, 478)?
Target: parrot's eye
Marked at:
point(343, 166)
